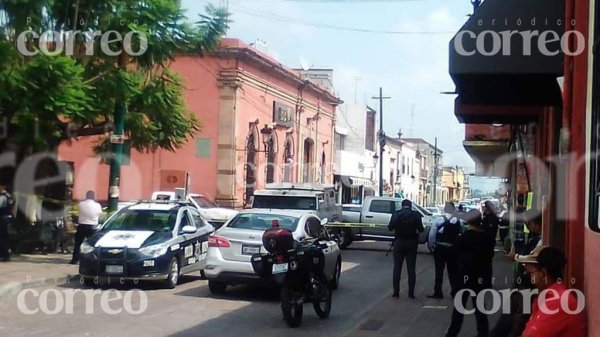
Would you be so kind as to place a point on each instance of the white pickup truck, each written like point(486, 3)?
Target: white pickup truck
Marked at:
point(211, 212)
point(315, 199)
point(370, 221)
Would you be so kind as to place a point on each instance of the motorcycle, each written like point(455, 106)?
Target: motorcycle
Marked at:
point(297, 267)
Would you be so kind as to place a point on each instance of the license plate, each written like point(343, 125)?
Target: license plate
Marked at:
point(112, 269)
point(250, 250)
point(280, 268)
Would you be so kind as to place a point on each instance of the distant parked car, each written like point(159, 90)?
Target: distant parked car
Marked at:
point(434, 210)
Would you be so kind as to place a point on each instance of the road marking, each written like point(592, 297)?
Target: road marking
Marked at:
point(436, 307)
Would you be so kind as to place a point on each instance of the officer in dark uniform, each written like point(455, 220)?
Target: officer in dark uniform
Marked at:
point(5, 216)
point(407, 224)
point(475, 249)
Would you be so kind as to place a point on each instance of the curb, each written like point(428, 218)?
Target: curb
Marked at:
point(9, 290)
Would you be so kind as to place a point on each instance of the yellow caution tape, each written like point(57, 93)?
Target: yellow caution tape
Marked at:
point(42, 198)
point(354, 225)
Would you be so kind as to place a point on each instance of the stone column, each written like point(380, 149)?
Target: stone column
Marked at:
point(226, 141)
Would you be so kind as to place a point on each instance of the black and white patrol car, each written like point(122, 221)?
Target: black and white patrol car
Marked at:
point(147, 241)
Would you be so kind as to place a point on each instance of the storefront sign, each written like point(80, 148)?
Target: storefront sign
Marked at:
point(283, 114)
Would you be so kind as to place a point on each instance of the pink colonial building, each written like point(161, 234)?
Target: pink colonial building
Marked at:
point(261, 122)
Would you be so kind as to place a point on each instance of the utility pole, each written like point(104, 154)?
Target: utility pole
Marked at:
point(381, 136)
point(356, 79)
point(435, 172)
point(117, 141)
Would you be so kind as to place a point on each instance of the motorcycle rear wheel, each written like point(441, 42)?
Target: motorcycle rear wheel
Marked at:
point(291, 306)
point(322, 304)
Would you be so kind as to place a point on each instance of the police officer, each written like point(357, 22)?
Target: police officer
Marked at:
point(475, 249)
point(443, 237)
point(5, 215)
point(407, 224)
point(490, 220)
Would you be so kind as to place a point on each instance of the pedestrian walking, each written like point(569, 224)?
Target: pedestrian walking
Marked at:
point(443, 237)
point(5, 218)
point(475, 253)
point(552, 315)
point(406, 224)
point(88, 219)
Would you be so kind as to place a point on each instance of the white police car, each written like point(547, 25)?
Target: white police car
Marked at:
point(148, 241)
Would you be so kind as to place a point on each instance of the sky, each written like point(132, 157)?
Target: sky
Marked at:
point(405, 52)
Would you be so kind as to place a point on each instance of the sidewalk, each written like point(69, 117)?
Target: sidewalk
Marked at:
point(425, 317)
point(34, 270)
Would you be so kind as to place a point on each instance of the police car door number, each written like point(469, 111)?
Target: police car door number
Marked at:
point(189, 251)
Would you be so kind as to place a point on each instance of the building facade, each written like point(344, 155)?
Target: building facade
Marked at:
point(431, 173)
point(261, 123)
point(355, 168)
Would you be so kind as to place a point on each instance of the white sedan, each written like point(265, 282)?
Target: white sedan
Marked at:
point(232, 246)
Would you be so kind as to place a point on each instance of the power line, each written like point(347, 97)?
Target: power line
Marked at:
point(280, 18)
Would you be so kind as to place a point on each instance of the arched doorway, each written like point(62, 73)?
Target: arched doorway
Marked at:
point(270, 161)
point(288, 159)
point(323, 171)
point(309, 164)
point(250, 166)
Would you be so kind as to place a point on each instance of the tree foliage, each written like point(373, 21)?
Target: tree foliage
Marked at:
point(48, 99)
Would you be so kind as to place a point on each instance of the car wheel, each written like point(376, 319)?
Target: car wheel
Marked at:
point(345, 238)
point(173, 277)
point(203, 274)
point(335, 282)
point(217, 287)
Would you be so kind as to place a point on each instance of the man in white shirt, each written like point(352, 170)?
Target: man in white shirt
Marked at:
point(88, 218)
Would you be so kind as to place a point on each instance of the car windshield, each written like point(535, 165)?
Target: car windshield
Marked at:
point(421, 209)
point(203, 201)
point(142, 220)
point(284, 202)
point(261, 222)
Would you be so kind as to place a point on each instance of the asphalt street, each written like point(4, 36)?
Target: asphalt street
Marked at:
point(190, 309)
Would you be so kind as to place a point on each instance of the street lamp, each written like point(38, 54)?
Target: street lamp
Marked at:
point(375, 160)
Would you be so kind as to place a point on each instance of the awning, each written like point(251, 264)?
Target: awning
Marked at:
point(490, 157)
point(509, 54)
point(356, 181)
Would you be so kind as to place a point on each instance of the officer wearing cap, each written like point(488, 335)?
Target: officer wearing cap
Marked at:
point(406, 224)
point(475, 249)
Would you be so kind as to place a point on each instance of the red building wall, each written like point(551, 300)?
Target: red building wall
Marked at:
point(203, 97)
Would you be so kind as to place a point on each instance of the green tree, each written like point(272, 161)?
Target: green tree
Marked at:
point(48, 99)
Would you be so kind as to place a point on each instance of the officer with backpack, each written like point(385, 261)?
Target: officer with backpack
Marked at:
point(6, 203)
point(442, 238)
point(406, 224)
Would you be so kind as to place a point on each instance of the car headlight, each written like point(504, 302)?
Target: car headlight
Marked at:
point(154, 250)
point(86, 248)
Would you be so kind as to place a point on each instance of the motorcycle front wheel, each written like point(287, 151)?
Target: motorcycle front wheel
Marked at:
point(322, 303)
point(291, 305)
